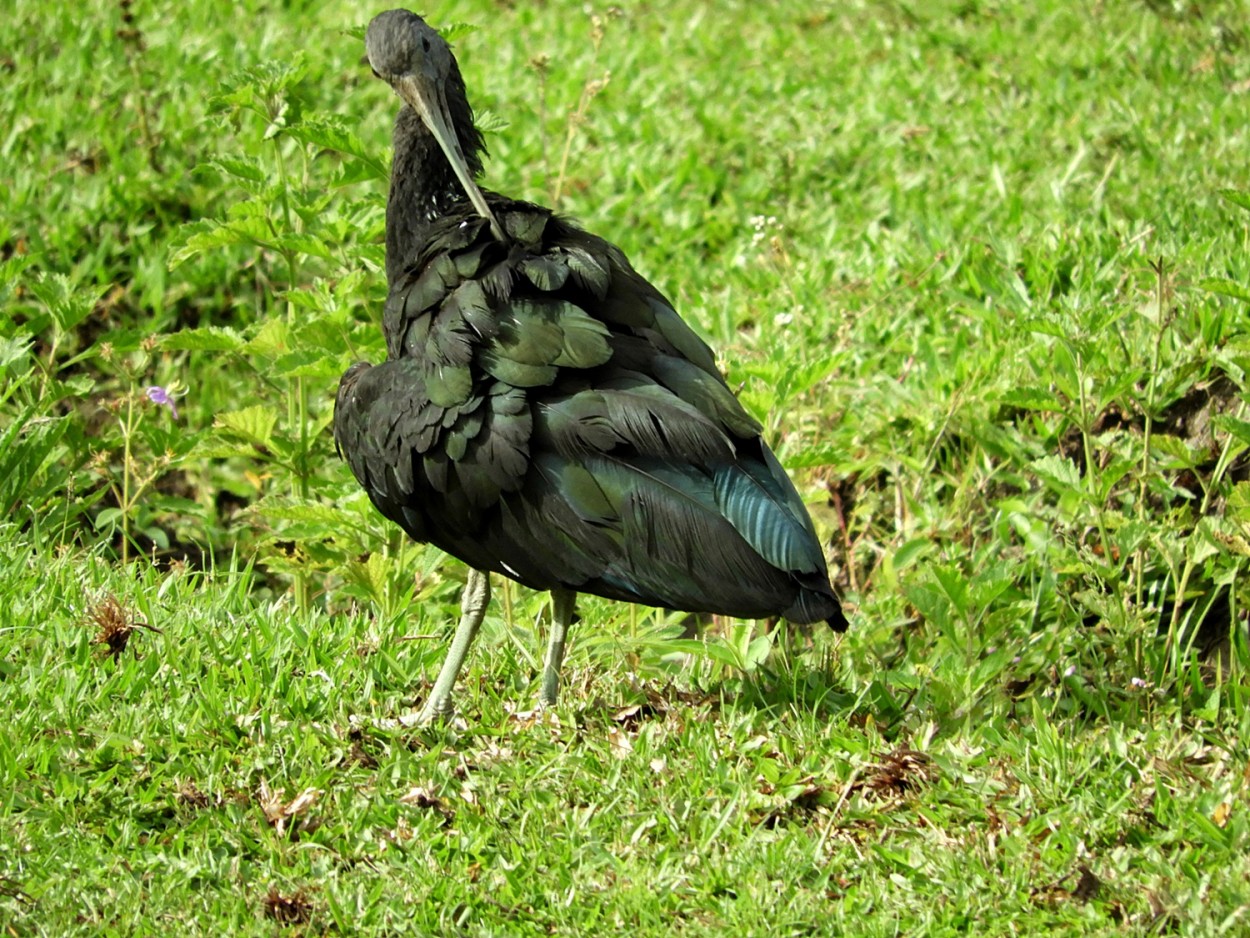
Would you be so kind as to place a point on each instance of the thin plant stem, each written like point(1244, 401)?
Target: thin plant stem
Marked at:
point(1151, 393)
point(127, 428)
point(297, 393)
point(1090, 471)
point(589, 89)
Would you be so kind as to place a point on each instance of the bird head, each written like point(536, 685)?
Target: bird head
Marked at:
point(417, 63)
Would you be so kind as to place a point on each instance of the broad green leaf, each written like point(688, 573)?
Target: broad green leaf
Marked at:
point(1178, 453)
point(245, 169)
point(68, 305)
point(1239, 502)
point(108, 518)
point(319, 517)
point(351, 172)
point(11, 271)
point(811, 456)
point(300, 243)
point(453, 32)
point(488, 122)
point(253, 424)
point(370, 577)
point(208, 235)
point(254, 86)
point(1034, 398)
point(1235, 425)
point(909, 552)
point(13, 349)
point(306, 363)
point(330, 134)
point(271, 339)
point(257, 207)
point(1058, 471)
point(204, 339)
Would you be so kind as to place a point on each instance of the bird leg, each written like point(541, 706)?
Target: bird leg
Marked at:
point(473, 610)
point(562, 603)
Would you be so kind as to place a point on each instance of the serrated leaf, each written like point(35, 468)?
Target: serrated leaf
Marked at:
point(352, 172)
point(451, 32)
point(488, 122)
point(258, 83)
point(215, 447)
point(252, 424)
point(270, 340)
point(244, 169)
point(308, 511)
point(1047, 327)
point(1235, 425)
point(306, 363)
point(67, 305)
point(812, 456)
point(209, 235)
point(953, 584)
point(370, 577)
point(300, 243)
point(1239, 501)
point(203, 339)
point(1033, 399)
point(1058, 470)
point(250, 208)
point(11, 270)
point(1180, 454)
point(331, 135)
point(14, 349)
point(244, 96)
point(809, 374)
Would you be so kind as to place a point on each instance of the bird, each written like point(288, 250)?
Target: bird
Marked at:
point(543, 412)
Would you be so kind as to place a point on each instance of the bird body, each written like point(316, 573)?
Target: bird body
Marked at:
point(543, 412)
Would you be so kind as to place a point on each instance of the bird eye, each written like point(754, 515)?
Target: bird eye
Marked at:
point(425, 43)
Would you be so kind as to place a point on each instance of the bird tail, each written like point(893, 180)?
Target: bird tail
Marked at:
point(814, 605)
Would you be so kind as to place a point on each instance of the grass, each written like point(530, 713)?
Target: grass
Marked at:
point(976, 266)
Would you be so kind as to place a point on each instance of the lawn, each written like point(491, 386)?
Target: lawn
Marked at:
point(981, 270)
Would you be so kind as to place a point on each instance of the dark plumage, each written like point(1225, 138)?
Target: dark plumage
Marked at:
point(543, 412)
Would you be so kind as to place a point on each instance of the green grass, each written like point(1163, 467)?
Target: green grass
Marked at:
point(973, 264)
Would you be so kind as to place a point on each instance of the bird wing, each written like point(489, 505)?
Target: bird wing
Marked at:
point(545, 413)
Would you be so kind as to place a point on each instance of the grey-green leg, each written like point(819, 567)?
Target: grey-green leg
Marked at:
point(562, 603)
point(473, 610)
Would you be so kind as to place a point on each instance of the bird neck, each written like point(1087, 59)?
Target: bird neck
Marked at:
point(424, 187)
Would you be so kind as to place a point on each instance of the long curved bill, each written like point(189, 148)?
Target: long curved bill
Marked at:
point(426, 98)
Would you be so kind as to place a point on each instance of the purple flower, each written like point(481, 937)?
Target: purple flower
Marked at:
point(158, 395)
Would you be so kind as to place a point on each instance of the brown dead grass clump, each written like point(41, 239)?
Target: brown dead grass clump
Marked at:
point(116, 623)
point(293, 909)
point(898, 773)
